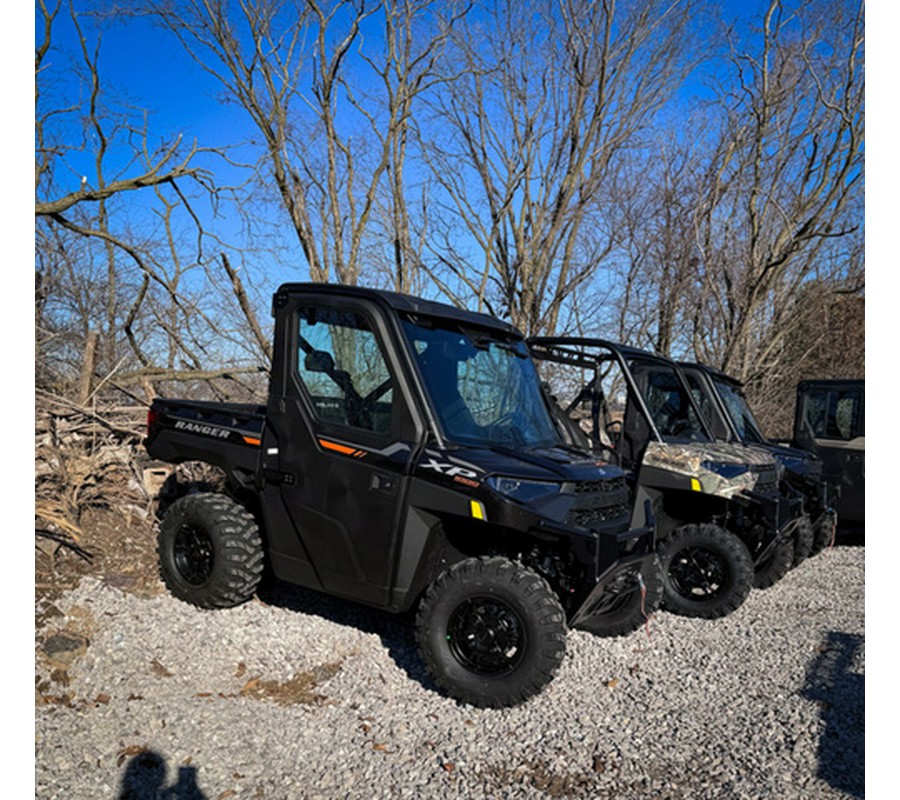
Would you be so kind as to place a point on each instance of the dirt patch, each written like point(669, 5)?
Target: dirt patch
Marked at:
point(539, 777)
point(112, 547)
point(300, 689)
point(117, 548)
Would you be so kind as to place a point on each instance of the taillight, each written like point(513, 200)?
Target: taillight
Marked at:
point(152, 419)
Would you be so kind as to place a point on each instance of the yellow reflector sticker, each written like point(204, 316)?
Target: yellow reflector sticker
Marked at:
point(477, 509)
point(695, 485)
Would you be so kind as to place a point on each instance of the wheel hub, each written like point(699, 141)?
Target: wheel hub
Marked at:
point(193, 551)
point(486, 636)
point(698, 572)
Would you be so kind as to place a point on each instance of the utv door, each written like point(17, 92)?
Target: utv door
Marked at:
point(340, 439)
point(830, 422)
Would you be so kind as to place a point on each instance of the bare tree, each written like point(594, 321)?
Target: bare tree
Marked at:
point(112, 302)
point(415, 35)
point(164, 166)
point(335, 154)
point(784, 184)
point(744, 242)
point(826, 340)
point(653, 213)
point(532, 133)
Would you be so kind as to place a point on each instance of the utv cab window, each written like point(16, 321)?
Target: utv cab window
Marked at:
point(707, 407)
point(342, 367)
point(835, 413)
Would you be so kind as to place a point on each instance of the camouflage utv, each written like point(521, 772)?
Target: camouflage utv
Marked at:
point(723, 526)
point(725, 408)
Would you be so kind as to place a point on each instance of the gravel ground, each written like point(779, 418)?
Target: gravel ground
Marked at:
point(297, 695)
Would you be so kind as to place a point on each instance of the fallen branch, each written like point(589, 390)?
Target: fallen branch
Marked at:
point(63, 541)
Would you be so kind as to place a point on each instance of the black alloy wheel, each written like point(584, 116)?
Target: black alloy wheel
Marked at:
point(193, 554)
point(707, 571)
point(486, 636)
point(698, 572)
point(210, 551)
point(491, 632)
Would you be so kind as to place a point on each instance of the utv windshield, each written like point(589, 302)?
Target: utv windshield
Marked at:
point(484, 389)
point(736, 405)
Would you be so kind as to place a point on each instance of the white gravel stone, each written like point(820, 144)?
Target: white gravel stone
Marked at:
point(767, 702)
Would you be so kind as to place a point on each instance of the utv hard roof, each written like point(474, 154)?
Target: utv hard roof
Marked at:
point(402, 303)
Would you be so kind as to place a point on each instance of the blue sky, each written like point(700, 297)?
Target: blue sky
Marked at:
point(150, 68)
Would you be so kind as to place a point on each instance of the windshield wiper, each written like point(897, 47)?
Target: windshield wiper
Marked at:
point(484, 343)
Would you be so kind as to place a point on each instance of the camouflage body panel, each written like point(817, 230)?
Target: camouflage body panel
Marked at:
point(687, 459)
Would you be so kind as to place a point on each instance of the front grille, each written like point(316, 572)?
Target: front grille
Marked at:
point(589, 517)
point(594, 487)
point(599, 502)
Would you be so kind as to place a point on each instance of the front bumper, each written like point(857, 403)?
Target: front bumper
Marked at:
point(781, 516)
point(622, 559)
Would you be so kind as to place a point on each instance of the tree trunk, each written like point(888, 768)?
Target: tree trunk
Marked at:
point(88, 365)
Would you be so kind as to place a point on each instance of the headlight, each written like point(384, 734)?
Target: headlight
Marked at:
point(523, 491)
point(726, 470)
point(796, 465)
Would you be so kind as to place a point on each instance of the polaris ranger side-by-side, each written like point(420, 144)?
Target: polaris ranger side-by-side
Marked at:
point(407, 458)
point(722, 524)
point(722, 401)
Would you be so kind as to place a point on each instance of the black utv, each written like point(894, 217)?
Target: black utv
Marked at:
point(723, 526)
point(725, 407)
point(408, 459)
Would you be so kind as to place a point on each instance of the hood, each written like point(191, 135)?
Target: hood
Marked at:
point(560, 464)
point(800, 463)
point(723, 469)
point(557, 483)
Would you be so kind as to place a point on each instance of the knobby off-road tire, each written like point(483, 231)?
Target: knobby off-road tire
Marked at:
point(707, 571)
point(622, 610)
point(804, 539)
point(491, 632)
point(210, 551)
point(774, 566)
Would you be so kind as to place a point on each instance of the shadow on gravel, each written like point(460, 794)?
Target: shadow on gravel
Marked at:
point(396, 631)
point(145, 777)
point(840, 694)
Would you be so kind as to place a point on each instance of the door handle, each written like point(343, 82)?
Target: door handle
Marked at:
point(383, 482)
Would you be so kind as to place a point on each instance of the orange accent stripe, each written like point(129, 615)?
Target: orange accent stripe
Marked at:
point(251, 440)
point(338, 448)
